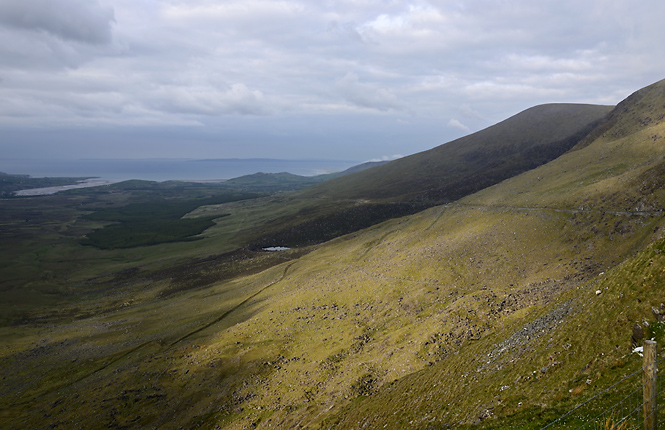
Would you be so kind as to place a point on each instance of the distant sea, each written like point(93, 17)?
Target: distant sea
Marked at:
point(163, 169)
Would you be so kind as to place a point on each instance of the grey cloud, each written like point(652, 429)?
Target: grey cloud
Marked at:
point(173, 62)
point(454, 123)
point(347, 29)
point(385, 158)
point(84, 21)
point(367, 95)
point(468, 112)
point(238, 99)
point(38, 51)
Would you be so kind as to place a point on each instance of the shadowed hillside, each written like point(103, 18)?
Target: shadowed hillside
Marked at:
point(471, 163)
point(443, 174)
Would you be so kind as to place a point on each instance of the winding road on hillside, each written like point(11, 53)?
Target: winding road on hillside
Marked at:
point(444, 208)
point(644, 213)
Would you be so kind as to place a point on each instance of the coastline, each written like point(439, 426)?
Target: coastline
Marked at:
point(85, 183)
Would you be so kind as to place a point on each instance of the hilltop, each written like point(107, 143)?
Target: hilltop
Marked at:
point(289, 182)
point(471, 163)
point(483, 311)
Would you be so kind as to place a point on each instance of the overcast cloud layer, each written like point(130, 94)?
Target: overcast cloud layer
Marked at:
point(358, 80)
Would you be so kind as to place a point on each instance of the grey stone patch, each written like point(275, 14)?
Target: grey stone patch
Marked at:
point(519, 342)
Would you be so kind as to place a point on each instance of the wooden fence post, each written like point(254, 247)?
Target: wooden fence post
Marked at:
point(649, 385)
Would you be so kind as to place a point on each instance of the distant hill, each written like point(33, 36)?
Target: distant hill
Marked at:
point(289, 182)
point(471, 163)
point(272, 181)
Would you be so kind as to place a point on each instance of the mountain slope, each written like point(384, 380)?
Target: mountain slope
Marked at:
point(443, 174)
point(471, 163)
point(596, 216)
point(480, 311)
point(641, 109)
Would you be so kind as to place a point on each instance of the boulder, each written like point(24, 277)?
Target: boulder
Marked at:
point(638, 335)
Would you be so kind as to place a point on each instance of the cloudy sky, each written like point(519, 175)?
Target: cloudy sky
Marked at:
point(334, 79)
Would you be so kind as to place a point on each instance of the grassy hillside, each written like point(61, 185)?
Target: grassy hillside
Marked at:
point(408, 185)
point(482, 312)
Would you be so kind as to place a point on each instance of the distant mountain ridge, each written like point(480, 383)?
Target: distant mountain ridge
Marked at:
point(285, 181)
